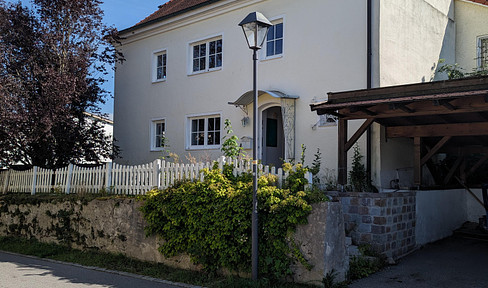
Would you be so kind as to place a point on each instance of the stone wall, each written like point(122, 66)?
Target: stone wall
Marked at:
point(386, 221)
point(117, 225)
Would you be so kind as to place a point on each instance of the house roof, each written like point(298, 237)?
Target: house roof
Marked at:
point(482, 2)
point(170, 9)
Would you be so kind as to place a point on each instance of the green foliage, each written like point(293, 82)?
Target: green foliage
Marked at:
point(454, 71)
point(357, 175)
point(329, 280)
point(211, 221)
point(361, 267)
point(231, 147)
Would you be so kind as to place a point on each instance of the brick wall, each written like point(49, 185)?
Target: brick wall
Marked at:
point(386, 221)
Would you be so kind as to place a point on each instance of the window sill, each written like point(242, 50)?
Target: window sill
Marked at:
point(158, 81)
point(197, 148)
point(205, 71)
point(272, 57)
point(157, 149)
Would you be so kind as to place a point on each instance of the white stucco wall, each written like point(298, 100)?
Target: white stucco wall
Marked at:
point(438, 214)
point(474, 209)
point(471, 22)
point(324, 50)
point(412, 36)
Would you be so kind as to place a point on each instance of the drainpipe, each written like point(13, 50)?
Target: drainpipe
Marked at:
point(369, 82)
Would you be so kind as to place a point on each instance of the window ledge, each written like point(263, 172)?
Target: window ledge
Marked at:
point(159, 81)
point(203, 72)
point(193, 148)
point(272, 57)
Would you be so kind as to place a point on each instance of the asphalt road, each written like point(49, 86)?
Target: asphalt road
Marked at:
point(450, 263)
point(26, 272)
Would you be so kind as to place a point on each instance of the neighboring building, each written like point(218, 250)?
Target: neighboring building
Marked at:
point(108, 128)
point(186, 62)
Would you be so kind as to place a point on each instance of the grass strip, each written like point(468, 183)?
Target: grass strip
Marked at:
point(120, 262)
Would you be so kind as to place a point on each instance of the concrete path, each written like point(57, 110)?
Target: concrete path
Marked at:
point(451, 263)
point(26, 272)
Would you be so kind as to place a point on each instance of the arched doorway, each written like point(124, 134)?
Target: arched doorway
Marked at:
point(273, 138)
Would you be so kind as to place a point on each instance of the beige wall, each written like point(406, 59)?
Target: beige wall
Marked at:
point(471, 22)
point(324, 50)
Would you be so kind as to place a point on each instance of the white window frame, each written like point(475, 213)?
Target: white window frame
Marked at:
point(205, 41)
point(189, 131)
point(479, 52)
point(154, 65)
point(154, 123)
point(274, 21)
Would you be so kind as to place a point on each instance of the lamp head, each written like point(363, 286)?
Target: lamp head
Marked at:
point(255, 27)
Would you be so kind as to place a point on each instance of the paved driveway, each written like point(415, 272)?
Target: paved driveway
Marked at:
point(26, 272)
point(454, 262)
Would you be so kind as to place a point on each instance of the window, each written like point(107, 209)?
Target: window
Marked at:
point(159, 66)
point(327, 120)
point(205, 132)
point(483, 52)
point(274, 40)
point(207, 56)
point(158, 129)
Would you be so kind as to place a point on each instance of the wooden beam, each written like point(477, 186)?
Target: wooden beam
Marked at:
point(342, 152)
point(439, 130)
point(453, 169)
point(470, 192)
point(417, 168)
point(477, 165)
point(434, 150)
point(366, 124)
point(444, 103)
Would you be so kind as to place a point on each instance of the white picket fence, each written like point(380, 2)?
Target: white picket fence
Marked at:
point(118, 179)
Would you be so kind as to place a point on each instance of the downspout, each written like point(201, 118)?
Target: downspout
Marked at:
point(369, 82)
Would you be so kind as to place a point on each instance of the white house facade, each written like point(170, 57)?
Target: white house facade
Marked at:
point(188, 68)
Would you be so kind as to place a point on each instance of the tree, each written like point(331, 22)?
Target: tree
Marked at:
point(53, 58)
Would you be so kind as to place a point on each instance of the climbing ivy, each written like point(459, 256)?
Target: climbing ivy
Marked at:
point(211, 221)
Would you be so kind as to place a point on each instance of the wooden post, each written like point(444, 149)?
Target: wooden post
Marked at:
point(5, 181)
point(34, 179)
point(417, 168)
point(156, 173)
point(69, 178)
point(108, 176)
point(342, 152)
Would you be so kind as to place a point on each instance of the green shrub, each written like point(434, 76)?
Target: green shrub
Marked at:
point(211, 221)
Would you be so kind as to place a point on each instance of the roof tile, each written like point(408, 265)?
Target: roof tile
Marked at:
point(172, 7)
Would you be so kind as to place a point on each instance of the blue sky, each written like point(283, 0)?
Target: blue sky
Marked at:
point(121, 14)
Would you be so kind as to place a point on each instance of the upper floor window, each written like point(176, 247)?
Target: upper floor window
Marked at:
point(204, 131)
point(274, 40)
point(159, 66)
point(483, 52)
point(158, 132)
point(207, 55)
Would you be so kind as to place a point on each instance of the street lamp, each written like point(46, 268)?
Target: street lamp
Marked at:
point(255, 27)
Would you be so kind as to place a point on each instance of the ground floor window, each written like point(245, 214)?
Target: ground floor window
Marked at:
point(158, 130)
point(204, 131)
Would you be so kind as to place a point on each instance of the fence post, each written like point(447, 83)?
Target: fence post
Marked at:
point(108, 175)
point(308, 175)
point(5, 181)
point(34, 179)
point(69, 178)
point(156, 173)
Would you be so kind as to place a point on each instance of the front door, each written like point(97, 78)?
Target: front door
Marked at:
point(273, 137)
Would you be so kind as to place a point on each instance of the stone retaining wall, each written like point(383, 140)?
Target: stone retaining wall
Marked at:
point(117, 225)
point(386, 221)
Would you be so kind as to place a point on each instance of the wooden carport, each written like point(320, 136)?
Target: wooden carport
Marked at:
point(441, 117)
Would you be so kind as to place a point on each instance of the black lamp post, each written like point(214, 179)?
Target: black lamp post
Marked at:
point(255, 27)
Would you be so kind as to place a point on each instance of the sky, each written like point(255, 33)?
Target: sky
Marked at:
point(121, 14)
